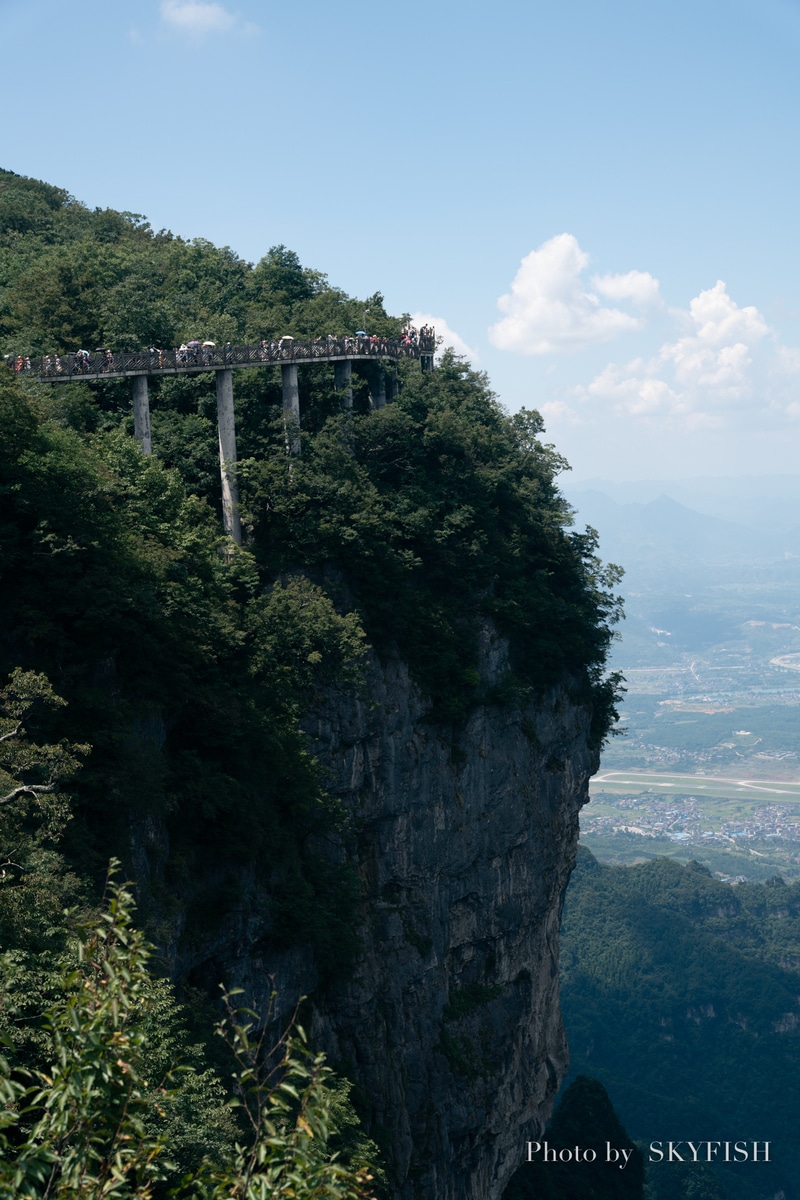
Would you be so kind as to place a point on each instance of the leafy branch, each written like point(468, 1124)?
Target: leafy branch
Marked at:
point(28, 768)
point(93, 1126)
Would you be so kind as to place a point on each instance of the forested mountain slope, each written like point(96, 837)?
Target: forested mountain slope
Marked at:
point(402, 546)
point(681, 995)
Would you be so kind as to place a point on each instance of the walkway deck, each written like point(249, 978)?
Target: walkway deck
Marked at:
point(105, 364)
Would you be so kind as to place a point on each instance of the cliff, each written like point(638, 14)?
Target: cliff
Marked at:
point(189, 672)
point(449, 1024)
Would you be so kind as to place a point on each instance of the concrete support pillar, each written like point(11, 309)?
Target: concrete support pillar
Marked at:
point(227, 456)
point(379, 397)
point(141, 413)
point(377, 386)
point(291, 406)
point(395, 390)
point(343, 381)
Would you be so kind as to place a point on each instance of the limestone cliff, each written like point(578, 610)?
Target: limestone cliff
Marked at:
point(449, 1023)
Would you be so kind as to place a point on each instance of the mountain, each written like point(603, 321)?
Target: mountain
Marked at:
point(343, 761)
point(757, 501)
point(680, 994)
point(663, 533)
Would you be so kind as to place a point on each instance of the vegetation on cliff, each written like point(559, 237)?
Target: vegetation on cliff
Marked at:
point(185, 664)
point(123, 1109)
point(185, 668)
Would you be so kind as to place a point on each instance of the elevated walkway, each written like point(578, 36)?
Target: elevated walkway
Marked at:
point(190, 359)
point(287, 352)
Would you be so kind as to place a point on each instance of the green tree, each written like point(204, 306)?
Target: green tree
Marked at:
point(97, 1124)
point(35, 882)
point(29, 769)
point(443, 514)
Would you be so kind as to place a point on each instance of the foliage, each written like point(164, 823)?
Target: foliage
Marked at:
point(684, 1181)
point(672, 1000)
point(31, 773)
point(184, 671)
point(188, 665)
point(188, 674)
point(466, 1000)
point(70, 277)
point(443, 513)
point(97, 1123)
point(35, 884)
point(28, 770)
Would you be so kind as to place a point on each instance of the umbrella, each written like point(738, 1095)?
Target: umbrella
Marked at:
point(287, 338)
point(361, 333)
point(211, 344)
point(194, 343)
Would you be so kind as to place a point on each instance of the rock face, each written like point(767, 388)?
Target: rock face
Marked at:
point(449, 1022)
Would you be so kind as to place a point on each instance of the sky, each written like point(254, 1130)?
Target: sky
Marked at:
point(597, 204)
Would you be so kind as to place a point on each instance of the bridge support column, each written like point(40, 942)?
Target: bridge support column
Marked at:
point(343, 381)
point(227, 456)
point(141, 413)
point(291, 406)
point(379, 395)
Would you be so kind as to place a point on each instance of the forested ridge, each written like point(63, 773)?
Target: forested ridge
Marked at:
point(680, 994)
point(680, 999)
point(155, 675)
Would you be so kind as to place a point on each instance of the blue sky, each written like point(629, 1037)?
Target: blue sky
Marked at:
point(597, 202)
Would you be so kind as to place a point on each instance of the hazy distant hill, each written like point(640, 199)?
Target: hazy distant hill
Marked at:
point(758, 501)
point(702, 558)
point(664, 530)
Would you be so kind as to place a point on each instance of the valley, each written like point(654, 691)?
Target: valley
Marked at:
point(707, 762)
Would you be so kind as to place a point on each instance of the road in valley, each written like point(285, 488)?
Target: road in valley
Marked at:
point(710, 785)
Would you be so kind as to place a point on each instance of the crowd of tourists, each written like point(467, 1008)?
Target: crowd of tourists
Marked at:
point(195, 353)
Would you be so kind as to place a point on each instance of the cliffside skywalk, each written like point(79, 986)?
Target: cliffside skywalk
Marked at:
point(194, 357)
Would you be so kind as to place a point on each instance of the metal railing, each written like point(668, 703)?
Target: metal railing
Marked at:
point(197, 356)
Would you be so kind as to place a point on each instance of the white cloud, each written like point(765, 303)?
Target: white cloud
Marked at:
point(638, 286)
point(550, 309)
point(449, 336)
point(698, 380)
point(719, 320)
point(558, 410)
point(195, 17)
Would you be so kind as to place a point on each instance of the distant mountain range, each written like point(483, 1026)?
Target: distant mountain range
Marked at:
point(761, 502)
point(658, 525)
point(700, 557)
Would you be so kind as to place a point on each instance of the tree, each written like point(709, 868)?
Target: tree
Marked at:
point(94, 1124)
point(28, 769)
